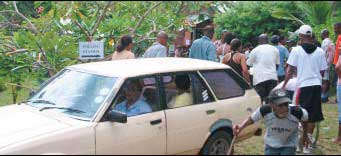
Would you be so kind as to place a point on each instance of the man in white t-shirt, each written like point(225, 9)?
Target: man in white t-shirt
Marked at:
point(264, 59)
point(310, 63)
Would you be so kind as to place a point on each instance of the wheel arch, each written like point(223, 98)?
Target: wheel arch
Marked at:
point(222, 124)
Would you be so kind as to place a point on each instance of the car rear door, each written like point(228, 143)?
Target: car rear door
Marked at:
point(188, 126)
point(236, 101)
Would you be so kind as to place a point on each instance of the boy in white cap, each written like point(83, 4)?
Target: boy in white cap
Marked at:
point(310, 63)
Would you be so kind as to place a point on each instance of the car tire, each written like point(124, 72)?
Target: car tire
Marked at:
point(217, 144)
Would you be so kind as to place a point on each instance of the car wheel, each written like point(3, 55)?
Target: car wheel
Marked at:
point(218, 144)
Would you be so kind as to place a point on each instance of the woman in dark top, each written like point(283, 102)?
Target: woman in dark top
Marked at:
point(236, 60)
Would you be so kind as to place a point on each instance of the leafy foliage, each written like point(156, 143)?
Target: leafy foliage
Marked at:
point(319, 14)
point(49, 33)
point(250, 19)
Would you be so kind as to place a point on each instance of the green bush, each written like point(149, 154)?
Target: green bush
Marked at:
point(250, 19)
point(2, 85)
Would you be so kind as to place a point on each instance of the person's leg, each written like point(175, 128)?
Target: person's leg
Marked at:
point(261, 90)
point(310, 130)
point(316, 114)
point(288, 151)
point(324, 95)
point(335, 78)
point(338, 139)
point(269, 85)
point(304, 135)
point(310, 99)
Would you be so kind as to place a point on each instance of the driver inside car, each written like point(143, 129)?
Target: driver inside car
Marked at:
point(133, 105)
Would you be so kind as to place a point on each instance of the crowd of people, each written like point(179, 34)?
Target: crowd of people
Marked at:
point(298, 71)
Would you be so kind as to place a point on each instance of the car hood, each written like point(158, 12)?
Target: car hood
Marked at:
point(19, 123)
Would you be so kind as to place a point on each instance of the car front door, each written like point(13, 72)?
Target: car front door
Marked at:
point(188, 124)
point(142, 134)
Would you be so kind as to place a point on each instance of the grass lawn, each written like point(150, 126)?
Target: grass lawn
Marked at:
point(328, 131)
point(6, 96)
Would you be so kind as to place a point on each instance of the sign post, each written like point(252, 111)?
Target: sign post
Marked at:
point(91, 50)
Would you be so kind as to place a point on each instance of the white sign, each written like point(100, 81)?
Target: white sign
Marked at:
point(91, 50)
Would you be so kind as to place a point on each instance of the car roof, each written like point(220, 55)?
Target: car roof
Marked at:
point(146, 66)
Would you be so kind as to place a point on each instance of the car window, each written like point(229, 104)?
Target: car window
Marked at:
point(201, 93)
point(148, 81)
point(223, 84)
point(185, 89)
point(137, 96)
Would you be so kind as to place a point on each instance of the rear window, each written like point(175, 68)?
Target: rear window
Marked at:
point(223, 84)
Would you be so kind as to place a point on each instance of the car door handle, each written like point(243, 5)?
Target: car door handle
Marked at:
point(155, 122)
point(208, 112)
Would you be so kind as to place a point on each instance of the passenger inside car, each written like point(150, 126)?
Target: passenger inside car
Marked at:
point(183, 96)
point(133, 104)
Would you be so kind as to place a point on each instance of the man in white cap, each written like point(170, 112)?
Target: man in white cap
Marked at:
point(310, 63)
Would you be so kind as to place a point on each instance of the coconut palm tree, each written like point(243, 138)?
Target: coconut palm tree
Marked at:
point(318, 14)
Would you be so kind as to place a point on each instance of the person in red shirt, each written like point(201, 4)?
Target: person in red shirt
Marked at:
point(337, 62)
point(337, 30)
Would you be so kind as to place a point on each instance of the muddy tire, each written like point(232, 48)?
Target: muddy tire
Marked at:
point(217, 144)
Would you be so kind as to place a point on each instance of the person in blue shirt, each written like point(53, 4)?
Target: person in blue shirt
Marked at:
point(133, 105)
point(204, 48)
point(283, 56)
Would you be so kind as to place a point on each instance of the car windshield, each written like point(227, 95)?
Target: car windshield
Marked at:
point(74, 93)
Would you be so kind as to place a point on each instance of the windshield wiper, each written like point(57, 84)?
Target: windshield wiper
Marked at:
point(38, 101)
point(66, 108)
point(44, 102)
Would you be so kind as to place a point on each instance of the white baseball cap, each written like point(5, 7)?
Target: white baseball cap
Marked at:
point(305, 30)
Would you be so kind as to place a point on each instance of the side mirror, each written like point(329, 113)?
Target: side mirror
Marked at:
point(115, 116)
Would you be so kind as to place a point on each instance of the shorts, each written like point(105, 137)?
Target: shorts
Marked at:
point(310, 99)
point(339, 102)
point(326, 74)
point(264, 88)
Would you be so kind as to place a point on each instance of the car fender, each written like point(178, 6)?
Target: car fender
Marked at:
point(221, 123)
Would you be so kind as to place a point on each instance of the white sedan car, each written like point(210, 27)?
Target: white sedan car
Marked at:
point(139, 106)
